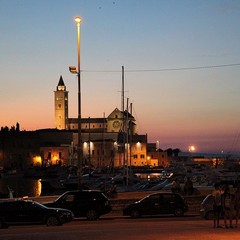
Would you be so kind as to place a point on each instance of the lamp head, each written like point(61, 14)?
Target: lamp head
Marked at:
point(78, 20)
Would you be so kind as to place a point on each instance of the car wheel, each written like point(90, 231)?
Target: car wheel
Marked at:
point(135, 213)
point(53, 221)
point(178, 212)
point(209, 215)
point(92, 215)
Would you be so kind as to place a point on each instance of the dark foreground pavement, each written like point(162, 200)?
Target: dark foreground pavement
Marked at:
point(166, 228)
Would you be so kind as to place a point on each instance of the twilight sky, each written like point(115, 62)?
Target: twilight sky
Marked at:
point(164, 46)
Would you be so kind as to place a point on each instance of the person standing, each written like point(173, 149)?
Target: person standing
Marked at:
point(176, 186)
point(217, 205)
point(188, 186)
point(237, 204)
point(228, 207)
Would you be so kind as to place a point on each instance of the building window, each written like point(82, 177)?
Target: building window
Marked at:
point(135, 156)
point(142, 156)
point(60, 155)
point(92, 152)
point(59, 105)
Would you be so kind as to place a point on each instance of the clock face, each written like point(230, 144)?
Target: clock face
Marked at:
point(116, 124)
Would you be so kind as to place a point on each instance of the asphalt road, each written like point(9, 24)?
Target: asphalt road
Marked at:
point(167, 228)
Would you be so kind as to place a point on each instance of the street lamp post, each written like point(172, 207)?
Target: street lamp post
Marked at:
point(78, 72)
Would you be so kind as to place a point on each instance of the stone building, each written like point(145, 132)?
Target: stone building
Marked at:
point(108, 141)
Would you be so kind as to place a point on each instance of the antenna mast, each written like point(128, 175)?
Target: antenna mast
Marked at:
point(123, 96)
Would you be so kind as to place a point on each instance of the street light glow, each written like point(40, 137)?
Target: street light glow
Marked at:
point(192, 148)
point(78, 20)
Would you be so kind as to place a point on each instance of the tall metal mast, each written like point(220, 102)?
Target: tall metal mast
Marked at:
point(123, 127)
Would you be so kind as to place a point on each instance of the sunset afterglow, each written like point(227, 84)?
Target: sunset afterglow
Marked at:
point(182, 66)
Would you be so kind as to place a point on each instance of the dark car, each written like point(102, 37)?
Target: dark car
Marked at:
point(83, 203)
point(206, 210)
point(156, 204)
point(20, 212)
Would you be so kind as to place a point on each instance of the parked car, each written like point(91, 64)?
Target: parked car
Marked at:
point(156, 204)
point(206, 210)
point(21, 212)
point(83, 203)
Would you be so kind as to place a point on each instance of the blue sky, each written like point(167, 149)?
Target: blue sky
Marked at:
point(176, 107)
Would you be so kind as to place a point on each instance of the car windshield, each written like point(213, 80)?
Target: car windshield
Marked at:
point(148, 198)
point(208, 200)
point(63, 196)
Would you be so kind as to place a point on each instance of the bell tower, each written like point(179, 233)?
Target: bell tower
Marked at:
point(61, 105)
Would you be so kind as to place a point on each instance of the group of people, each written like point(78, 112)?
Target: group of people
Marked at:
point(225, 202)
point(111, 191)
point(188, 186)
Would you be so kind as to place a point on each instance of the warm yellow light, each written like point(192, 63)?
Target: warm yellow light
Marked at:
point(37, 160)
point(78, 20)
point(192, 148)
point(55, 157)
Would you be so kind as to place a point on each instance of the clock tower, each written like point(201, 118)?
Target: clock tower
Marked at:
point(61, 105)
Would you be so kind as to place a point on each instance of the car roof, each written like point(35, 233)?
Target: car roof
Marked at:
point(164, 192)
point(15, 200)
point(77, 191)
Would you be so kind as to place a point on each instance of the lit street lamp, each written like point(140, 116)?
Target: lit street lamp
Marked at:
point(73, 69)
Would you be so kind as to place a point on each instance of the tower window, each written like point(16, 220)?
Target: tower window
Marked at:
point(59, 105)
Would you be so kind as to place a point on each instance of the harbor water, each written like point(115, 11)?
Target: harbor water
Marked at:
point(20, 186)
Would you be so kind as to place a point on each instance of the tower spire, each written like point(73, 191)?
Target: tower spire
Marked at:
point(61, 85)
